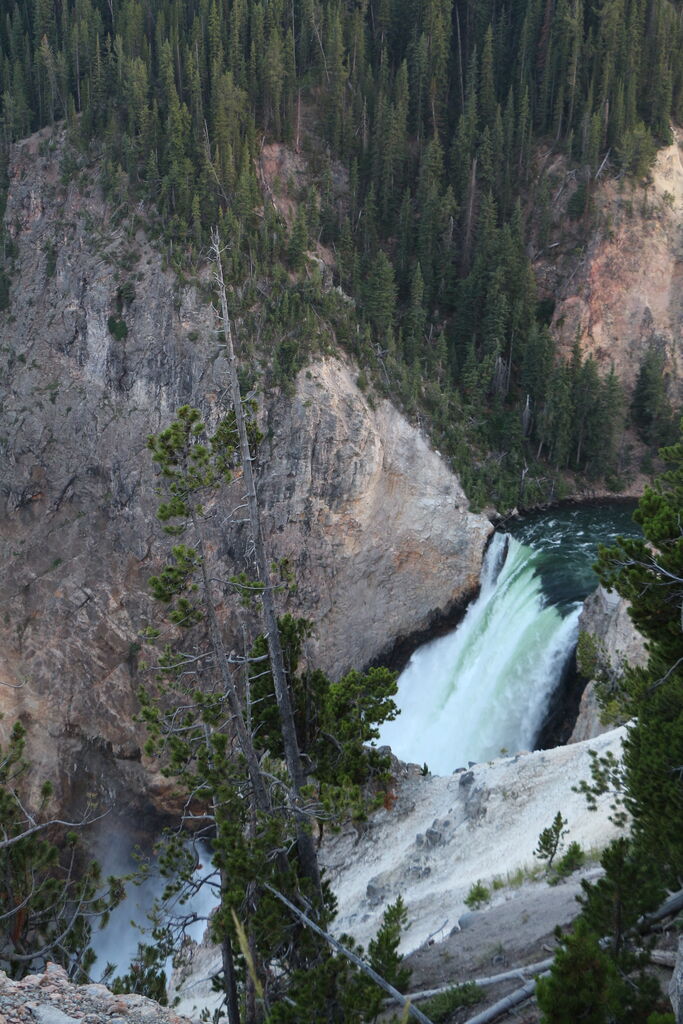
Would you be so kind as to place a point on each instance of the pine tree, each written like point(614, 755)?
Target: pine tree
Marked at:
point(380, 294)
point(584, 982)
point(650, 407)
point(50, 901)
point(298, 243)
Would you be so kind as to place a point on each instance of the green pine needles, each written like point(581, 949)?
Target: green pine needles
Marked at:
point(51, 893)
point(599, 974)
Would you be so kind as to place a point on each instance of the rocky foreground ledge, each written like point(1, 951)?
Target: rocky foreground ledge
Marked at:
point(50, 998)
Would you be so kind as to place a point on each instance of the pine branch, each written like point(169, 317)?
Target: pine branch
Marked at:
point(356, 960)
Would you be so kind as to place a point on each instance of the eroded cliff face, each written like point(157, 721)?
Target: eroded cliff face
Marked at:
point(380, 525)
point(375, 525)
point(619, 290)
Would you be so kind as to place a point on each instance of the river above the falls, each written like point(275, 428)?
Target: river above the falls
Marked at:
point(485, 688)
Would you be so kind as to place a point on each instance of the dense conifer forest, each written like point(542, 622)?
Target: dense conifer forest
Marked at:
point(421, 122)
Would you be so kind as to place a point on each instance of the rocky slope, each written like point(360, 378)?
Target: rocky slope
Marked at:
point(98, 348)
point(49, 998)
point(618, 284)
point(444, 833)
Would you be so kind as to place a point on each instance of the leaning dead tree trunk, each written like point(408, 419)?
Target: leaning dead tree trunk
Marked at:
point(305, 844)
point(244, 737)
point(518, 974)
point(356, 960)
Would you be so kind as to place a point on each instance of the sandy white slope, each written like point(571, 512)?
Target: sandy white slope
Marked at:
point(445, 833)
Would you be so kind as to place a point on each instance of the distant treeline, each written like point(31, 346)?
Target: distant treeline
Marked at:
point(421, 122)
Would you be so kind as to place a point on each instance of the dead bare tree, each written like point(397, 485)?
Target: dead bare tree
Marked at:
point(305, 844)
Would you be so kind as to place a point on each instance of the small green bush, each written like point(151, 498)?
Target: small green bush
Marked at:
point(50, 259)
point(478, 895)
point(573, 859)
point(118, 327)
point(4, 290)
point(125, 294)
point(439, 1008)
point(588, 655)
point(578, 202)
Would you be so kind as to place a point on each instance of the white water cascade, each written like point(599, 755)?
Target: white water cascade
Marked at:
point(484, 689)
point(129, 924)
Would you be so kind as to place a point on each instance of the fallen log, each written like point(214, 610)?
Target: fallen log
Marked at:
point(662, 957)
point(670, 906)
point(507, 1003)
point(521, 973)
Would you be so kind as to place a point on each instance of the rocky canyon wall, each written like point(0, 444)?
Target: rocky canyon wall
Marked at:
point(616, 274)
point(98, 348)
point(618, 643)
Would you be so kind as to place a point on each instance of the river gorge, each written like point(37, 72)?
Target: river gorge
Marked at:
point(479, 693)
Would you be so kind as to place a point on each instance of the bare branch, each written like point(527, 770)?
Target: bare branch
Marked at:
point(33, 829)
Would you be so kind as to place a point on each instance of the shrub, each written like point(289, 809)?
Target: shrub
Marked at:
point(439, 1008)
point(578, 201)
point(571, 861)
point(478, 895)
point(4, 290)
point(588, 654)
point(118, 327)
point(125, 294)
point(50, 259)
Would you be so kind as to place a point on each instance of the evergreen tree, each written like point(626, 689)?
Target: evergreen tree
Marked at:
point(178, 106)
point(584, 984)
point(380, 294)
point(51, 893)
point(649, 572)
point(650, 407)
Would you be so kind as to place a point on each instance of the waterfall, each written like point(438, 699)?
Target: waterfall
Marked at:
point(484, 689)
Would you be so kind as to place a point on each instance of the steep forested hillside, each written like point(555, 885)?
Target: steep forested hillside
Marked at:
point(421, 124)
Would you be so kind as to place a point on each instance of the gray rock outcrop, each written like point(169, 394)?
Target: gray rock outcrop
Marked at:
point(605, 618)
point(50, 998)
point(99, 347)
